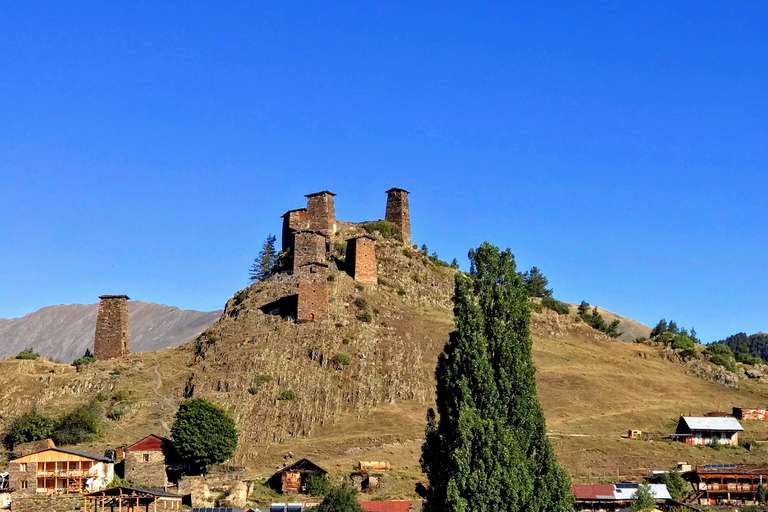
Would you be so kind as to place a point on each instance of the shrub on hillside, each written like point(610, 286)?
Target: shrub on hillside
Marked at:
point(340, 499)
point(386, 229)
point(27, 353)
point(361, 303)
point(30, 426)
point(561, 308)
point(721, 355)
point(682, 342)
point(364, 316)
point(116, 413)
point(535, 306)
point(288, 395)
point(319, 485)
point(121, 396)
point(85, 360)
point(81, 425)
point(203, 433)
point(342, 359)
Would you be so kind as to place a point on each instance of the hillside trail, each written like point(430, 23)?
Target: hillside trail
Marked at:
point(171, 403)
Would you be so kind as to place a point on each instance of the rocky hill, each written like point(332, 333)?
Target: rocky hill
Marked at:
point(65, 331)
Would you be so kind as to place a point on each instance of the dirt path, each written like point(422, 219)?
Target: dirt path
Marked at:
point(171, 403)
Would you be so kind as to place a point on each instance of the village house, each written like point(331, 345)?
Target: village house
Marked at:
point(750, 413)
point(59, 471)
point(729, 483)
point(293, 479)
point(151, 462)
point(616, 497)
point(707, 430)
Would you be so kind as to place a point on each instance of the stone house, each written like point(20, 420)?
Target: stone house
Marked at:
point(151, 462)
point(59, 471)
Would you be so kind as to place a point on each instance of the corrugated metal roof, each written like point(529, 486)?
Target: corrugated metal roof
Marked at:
point(627, 492)
point(702, 423)
point(593, 491)
point(386, 506)
point(620, 492)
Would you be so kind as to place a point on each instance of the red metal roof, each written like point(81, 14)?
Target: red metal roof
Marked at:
point(151, 443)
point(386, 506)
point(592, 491)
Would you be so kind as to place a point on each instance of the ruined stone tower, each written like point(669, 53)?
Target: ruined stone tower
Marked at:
point(310, 247)
point(361, 259)
point(112, 336)
point(313, 293)
point(293, 221)
point(398, 213)
point(321, 213)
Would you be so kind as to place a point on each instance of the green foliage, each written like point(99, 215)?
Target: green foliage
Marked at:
point(116, 372)
point(401, 292)
point(536, 284)
point(263, 263)
point(536, 306)
point(121, 396)
point(489, 450)
point(643, 500)
point(288, 394)
point(595, 320)
point(381, 281)
point(340, 499)
point(761, 493)
point(30, 426)
point(116, 413)
point(240, 297)
point(253, 390)
point(81, 425)
point(386, 229)
point(342, 359)
point(27, 353)
point(119, 482)
point(340, 249)
point(756, 346)
point(720, 354)
point(319, 485)
point(364, 316)
point(667, 332)
point(203, 433)
point(561, 308)
point(455, 264)
point(676, 484)
point(361, 303)
point(102, 396)
point(85, 360)
point(682, 342)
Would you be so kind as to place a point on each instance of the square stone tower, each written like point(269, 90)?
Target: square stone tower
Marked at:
point(361, 259)
point(398, 212)
point(310, 247)
point(313, 293)
point(321, 212)
point(112, 336)
point(293, 221)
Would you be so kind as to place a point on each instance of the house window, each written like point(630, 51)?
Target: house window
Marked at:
point(23, 483)
point(146, 457)
point(23, 467)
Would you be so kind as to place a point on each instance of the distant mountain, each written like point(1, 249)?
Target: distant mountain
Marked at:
point(756, 343)
point(65, 331)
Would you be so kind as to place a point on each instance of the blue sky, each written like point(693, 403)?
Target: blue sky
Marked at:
point(148, 148)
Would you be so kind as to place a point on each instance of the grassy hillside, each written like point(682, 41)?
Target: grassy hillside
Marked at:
point(592, 388)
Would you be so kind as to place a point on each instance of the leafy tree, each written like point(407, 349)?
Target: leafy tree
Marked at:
point(761, 493)
point(340, 499)
point(676, 484)
point(81, 425)
point(30, 426)
point(643, 501)
point(682, 342)
point(203, 433)
point(319, 485)
point(489, 450)
point(536, 283)
point(455, 264)
point(720, 354)
point(263, 263)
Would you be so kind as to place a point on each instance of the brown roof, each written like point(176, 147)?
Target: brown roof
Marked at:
point(395, 189)
point(321, 193)
point(740, 469)
point(592, 491)
point(114, 297)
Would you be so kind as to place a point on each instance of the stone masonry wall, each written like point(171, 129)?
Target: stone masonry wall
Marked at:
point(313, 293)
point(16, 477)
point(361, 260)
point(321, 212)
point(145, 474)
point(293, 221)
point(47, 503)
point(23, 449)
point(112, 336)
point(310, 248)
point(398, 212)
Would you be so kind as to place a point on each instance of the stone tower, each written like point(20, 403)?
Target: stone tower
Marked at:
point(361, 259)
point(112, 336)
point(398, 213)
point(293, 221)
point(310, 247)
point(321, 213)
point(313, 293)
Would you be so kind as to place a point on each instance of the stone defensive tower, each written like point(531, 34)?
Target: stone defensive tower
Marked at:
point(321, 212)
point(112, 335)
point(313, 293)
point(398, 212)
point(309, 247)
point(361, 259)
point(293, 221)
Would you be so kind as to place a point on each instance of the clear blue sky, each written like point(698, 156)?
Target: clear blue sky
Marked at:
point(148, 148)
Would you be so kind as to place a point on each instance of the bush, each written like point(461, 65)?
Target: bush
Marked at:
point(361, 303)
point(119, 482)
point(682, 342)
point(342, 359)
point(382, 282)
point(102, 396)
point(203, 433)
point(340, 499)
point(752, 360)
point(85, 360)
point(81, 425)
point(27, 353)
point(213, 339)
point(723, 361)
point(116, 413)
point(319, 485)
point(561, 308)
point(116, 372)
point(263, 379)
point(287, 395)
point(340, 249)
point(253, 390)
point(364, 316)
point(121, 396)
point(535, 306)
point(401, 292)
point(720, 354)
point(31, 426)
point(386, 229)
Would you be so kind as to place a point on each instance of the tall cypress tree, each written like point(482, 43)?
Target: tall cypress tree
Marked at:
point(489, 451)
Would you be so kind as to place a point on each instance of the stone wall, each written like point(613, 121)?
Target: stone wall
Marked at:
point(310, 248)
point(293, 221)
point(16, 478)
point(398, 212)
point(321, 212)
point(112, 336)
point(146, 474)
point(23, 449)
point(47, 503)
point(361, 260)
point(313, 293)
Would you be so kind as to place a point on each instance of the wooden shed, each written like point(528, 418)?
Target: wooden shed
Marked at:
point(750, 413)
point(293, 479)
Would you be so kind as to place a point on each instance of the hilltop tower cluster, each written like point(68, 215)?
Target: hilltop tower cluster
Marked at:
point(307, 234)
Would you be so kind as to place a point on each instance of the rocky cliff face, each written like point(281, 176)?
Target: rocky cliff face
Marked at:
point(65, 331)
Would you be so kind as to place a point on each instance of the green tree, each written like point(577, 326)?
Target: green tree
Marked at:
point(583, 308)
point(263, 263)
point(203, 433)
point(30, 426)
point(319, 485)
point(761, 493)
point(455, 264)
point(676, 484)
point(643, 501)
point(81, 425)
point(536, 283)
point(340, 499)
point(660, 328)
point(27, 353)
point(489, 450)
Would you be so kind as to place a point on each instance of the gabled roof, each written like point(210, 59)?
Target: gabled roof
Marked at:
point(125, 490)
point(593, 491)
point(627, 491)
point(623, 491)
point(78, 453)
point(303, 465)
point(151, 443)
point(706, 423)
point(386, 506)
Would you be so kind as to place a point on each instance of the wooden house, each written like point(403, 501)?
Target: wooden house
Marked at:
point(707, 430)
point(729, 483)
point(750, 413)
point(293, 478)
point(59, 471)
